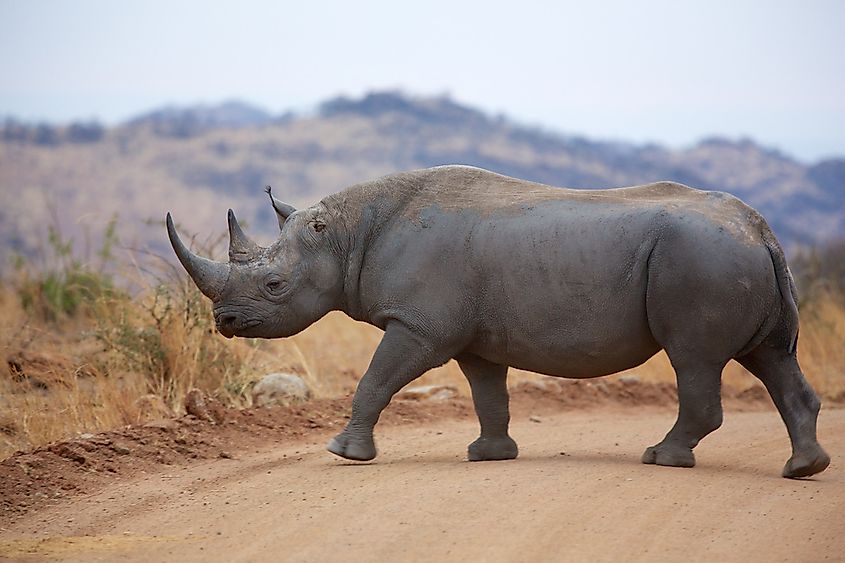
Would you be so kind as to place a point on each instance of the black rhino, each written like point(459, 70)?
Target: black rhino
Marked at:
point(458, 262)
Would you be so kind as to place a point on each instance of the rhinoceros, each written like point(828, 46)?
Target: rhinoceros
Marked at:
point(459, 262)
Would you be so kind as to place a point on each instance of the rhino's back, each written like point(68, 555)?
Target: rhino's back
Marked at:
point(466, 188)
point(469, 189)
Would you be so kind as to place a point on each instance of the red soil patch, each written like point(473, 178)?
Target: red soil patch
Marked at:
point(33, 479)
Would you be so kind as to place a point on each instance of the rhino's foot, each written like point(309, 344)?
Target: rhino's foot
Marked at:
point(352, 447)
point(671, 455)
point(808, 462)
point(492, 449)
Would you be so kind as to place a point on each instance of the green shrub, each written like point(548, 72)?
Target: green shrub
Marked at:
point(64, 286)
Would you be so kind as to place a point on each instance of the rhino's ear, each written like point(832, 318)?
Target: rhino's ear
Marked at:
point(283, 210)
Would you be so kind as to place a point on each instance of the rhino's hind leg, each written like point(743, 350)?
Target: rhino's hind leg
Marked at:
point(488, 382)
point(797, 404)
point(699, 414)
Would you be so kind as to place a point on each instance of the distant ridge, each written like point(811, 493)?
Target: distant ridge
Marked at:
point(199, 160)
point(429, 110)
point(187, 121)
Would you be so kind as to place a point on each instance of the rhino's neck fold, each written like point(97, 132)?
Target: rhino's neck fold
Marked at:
point(358, 225)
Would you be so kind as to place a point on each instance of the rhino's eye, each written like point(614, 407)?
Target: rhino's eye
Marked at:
point(274, 286)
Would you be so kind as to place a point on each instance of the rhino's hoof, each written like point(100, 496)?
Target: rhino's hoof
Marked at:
point(673, 456)
point(358, 449)
point(806, 463)
point(492, 449)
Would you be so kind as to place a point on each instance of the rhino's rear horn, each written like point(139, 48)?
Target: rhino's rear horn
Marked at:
point(210, 276)
point(241, 247)
point(283, 210)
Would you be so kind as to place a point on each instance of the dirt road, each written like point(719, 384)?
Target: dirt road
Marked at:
point(576, 493)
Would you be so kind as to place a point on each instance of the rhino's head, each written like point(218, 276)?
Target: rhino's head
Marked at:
point(275, 291)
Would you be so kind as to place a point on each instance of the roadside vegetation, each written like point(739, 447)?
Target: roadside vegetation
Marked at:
point(97, 340)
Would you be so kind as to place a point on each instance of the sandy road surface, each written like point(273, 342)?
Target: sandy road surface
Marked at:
point(420, 500)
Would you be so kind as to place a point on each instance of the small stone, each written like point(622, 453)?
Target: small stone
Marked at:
point(87, 446)
point(428, 393)
point(225, 455)
point(204, 407)
point(120, 449)
point(629, 379)
point(67, 452)
point(162, 424)
point(195, 405)
point(544, 385)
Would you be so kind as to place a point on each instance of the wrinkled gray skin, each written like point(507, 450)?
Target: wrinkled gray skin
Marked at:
point(458, 262)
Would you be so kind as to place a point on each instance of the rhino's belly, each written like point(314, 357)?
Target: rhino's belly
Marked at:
point(570, 355)
point(571, 361)
point(568, 334)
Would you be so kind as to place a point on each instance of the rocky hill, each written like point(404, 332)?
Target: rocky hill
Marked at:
point(198, 161)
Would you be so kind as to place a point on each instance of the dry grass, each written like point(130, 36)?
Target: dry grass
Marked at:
point(821, 344)
point(125, 360)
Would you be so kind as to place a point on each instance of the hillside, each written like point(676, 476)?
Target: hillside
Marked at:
point(198, 161)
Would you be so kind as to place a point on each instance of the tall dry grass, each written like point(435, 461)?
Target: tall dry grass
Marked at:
point(123, 359)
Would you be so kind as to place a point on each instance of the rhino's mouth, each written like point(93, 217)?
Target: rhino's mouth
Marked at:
point(230, 330)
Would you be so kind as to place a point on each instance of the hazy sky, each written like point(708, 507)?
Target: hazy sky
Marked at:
point(667, 71)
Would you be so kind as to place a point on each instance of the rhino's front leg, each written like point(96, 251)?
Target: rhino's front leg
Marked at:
point(401, 357)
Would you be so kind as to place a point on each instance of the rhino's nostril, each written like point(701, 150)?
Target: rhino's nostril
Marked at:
point(224, 320)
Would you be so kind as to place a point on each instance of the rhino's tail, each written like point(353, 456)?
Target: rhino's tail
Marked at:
point(786, 284)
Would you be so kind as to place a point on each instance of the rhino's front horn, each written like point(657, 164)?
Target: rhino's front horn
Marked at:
point(210, 276)
point(282, 209)
point(241, 247)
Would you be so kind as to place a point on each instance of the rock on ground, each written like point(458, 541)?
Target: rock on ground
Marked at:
point(428, 393)
point(280, 389)
point(204, 407)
